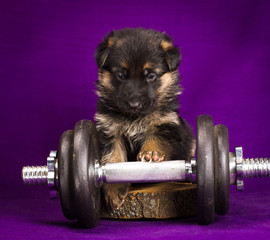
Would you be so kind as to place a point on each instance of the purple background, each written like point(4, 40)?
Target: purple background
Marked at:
point(47, 75)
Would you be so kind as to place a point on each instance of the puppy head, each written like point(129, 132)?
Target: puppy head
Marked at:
point(137, 71)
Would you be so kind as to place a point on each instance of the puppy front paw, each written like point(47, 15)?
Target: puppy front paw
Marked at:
point(149, 156)
point(114, 194)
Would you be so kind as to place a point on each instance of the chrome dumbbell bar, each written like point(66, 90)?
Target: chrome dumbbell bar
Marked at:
point(141, 172)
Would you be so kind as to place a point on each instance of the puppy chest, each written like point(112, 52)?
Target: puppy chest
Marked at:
point(136, 130)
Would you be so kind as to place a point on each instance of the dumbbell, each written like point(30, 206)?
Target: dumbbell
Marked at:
point(75, 174)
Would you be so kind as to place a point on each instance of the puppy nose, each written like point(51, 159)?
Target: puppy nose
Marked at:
point(134, 104)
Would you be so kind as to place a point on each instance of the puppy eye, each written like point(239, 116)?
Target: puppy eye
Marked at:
point(120, 76)
point(151, 77)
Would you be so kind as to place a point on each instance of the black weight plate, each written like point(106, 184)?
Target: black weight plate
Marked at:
point(222, 169)
point(205, 170)
point(64, 156)
point(87, 194)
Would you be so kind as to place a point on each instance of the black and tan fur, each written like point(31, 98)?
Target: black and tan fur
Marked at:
point(137, 111)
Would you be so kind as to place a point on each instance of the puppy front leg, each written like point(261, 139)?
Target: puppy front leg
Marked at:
point(154, 149)
point(114, 194)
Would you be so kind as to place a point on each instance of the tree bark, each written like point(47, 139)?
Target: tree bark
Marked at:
point(158, 200)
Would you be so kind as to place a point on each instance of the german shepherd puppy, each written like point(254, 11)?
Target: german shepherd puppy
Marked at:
point(137, 110)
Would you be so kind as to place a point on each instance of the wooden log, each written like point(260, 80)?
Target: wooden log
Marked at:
point(158, 200)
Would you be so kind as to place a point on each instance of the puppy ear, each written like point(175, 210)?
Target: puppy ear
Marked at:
point(172, 54)
point(103, 50)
